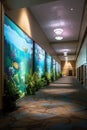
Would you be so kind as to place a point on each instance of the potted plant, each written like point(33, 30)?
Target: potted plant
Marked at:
point(47, 77)
point(41, 82)
point(11, 94)
point(52, 76)
point(30, 84)
point(36, 77)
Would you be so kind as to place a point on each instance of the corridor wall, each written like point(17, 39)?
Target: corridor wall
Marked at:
point(23, 55)
point(81, 63)
point(82, 58)
point(26, 21)
point(82, 50)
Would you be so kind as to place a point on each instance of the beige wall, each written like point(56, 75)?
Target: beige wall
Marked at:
point(82, 58)
point(66, 66)
point(25, 20)
point(1, 54)
point(83, 27)
point(82, 55)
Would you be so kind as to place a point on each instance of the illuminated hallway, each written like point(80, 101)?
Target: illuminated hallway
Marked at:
point(60, 106)
point(41, 41)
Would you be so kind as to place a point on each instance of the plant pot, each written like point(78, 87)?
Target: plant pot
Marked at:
point(9, 104)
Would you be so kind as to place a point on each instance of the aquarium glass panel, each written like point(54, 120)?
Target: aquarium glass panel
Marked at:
point(39, 60)
point(18, 51)
point(54, 67)
point(48, 63)
point(59, 68)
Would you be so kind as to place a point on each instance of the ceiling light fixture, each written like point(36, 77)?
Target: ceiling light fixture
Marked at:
point(58, 31)
point(72, 9)
point(65, 53)
point(66, 58)
point(59, 38)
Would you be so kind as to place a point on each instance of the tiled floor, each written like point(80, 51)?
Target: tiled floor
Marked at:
point(60, 106)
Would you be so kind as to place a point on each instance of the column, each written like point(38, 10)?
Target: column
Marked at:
point(1, 54)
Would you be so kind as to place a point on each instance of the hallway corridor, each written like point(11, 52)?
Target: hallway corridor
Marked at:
point(60, 106)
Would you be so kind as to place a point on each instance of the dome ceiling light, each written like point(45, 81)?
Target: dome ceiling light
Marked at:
point(71, 9)
point(59, 38)
point(58, 31)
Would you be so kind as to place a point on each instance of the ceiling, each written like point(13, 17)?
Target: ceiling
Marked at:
point(52, 14)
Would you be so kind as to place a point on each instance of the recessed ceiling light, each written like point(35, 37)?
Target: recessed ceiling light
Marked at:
point(59, 38)
point(58, 31)
point(66, 58)
point(65, 53)
point(71, 9)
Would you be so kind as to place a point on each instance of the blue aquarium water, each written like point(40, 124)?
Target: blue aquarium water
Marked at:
point(59, 68)
point(54, 67)
point(48, 63)
point(18, 53)
point(39, 60)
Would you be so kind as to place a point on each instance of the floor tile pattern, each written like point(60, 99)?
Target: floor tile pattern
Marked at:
point(60, 106)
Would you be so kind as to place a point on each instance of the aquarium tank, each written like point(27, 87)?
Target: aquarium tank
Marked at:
point(48, 63)
point(39, 66)
point(54, 67)
point(57, 67)
point(18, 53)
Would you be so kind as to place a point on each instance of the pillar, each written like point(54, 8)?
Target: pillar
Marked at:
point(1, 54)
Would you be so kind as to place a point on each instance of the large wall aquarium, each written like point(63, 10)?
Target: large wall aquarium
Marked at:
point(57, 67)
point(39, 60)
point(54, 67)
point(18, 51)
point(48, 63)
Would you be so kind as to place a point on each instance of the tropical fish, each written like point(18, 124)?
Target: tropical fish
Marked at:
point(11, 71)
point(15, 65)
point(13, 55)
point(31, 48)
point(25, 49)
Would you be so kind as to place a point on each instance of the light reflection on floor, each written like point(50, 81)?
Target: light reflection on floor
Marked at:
point(60, 91)
point(54, 107)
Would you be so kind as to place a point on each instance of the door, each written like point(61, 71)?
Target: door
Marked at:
point(70, 72)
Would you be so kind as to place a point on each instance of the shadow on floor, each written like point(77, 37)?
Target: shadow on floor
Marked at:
point(60, 106)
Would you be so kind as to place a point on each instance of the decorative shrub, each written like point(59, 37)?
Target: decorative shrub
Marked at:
point(47, 77)
point(52, 76)
point(11, 94)
point(30, 84)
